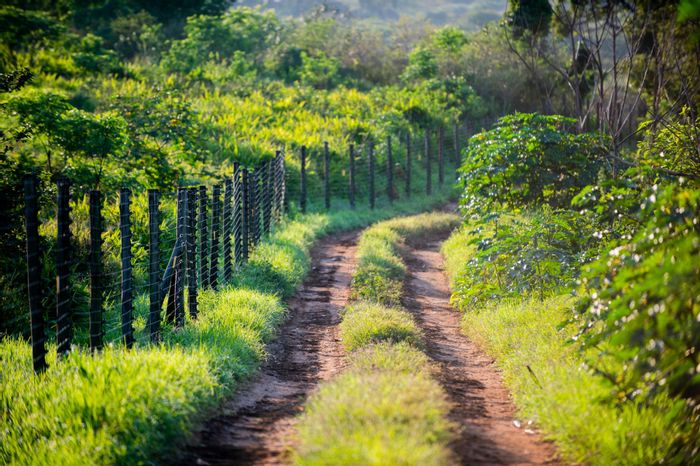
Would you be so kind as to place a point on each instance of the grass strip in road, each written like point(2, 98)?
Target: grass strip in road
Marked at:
point(119, 406)
point(550, 383)
point(386, 407)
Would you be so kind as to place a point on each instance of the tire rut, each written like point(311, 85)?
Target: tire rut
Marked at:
point(481, 406)
point(256, 426)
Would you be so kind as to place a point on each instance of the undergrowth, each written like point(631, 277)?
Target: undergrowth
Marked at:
point(545, 370)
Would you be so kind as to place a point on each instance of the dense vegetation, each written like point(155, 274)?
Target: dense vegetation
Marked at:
point(582, 206)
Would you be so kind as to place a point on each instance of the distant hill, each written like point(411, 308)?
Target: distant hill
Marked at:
point(469, 14)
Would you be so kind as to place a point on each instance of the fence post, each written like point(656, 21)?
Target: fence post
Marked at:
point(408, 163)
point(96, 287)
point(215, 235)
point(180, 263)
point(237, 215)
point(327, 174)
point(283, 184)
point(154, 264)
point(127, 288)
point(302, 185)
point(351, 192)
point(191, 225)
point(64, 324)
point(36, 312)
point(203, 238)
point(267, 199)
point(370, 157)
point(257, 225)
point(228, 201)
point(246, 215)
point(252, 207)
point(441, 155)
point(428, 165)
point(389, 170)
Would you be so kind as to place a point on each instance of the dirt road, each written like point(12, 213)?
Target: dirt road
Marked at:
point(255, 427)
point(482, 407)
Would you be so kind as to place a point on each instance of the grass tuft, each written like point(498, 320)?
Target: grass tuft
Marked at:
point(364, 323)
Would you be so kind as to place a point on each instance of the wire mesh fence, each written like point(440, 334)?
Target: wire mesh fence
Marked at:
point(127, 267)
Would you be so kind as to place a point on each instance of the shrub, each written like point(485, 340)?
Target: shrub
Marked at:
point(527, 160)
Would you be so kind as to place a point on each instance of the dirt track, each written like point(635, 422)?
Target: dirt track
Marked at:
point(482, 407)
point(255, 427)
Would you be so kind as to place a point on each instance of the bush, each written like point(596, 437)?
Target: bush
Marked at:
point(528, 160)
point(536, 254)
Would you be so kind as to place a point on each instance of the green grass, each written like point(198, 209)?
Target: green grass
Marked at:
point(572, 405)
point(380, 272)
point(364, 323)
point(121, 406)
point(385, 408)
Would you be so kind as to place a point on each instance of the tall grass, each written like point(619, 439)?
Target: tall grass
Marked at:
point(119, 406)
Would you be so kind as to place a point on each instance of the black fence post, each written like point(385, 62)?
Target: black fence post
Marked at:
point(191, 225)
point(154, 264)
point(203, 238)
point(302, 184)
point(256, 204)
point(215, 235)
point(351, 177)
point(96, 285)
point(282, 185)
point(408, 164)
point(127, 288)
point(441, 155)
point(245, 218)
point(327, 174)
point(267, 196)
point(228, 219)
point(64, 321)
point(237, 214)
point(428, 165)
point(36, 312)
point(180, 262)
point(252, 208)
point(370, 157)
point(389, 170)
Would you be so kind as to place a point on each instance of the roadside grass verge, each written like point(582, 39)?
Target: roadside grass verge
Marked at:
point(119, 406)
point(550, 383)
point(386, 407)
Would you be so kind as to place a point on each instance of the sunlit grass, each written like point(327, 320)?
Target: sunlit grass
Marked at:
point(364, 323)
point(119, 406)
point(385, 409)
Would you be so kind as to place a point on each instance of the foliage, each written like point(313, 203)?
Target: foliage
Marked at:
point(534, 255)
point(551, 386)
point(527, 160)
point(642, 300)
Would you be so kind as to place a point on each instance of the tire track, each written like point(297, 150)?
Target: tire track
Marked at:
point(255, 427)
point(481, 405)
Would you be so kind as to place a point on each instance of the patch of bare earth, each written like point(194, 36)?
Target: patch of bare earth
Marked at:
point(481, 405)
point(256, 426)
